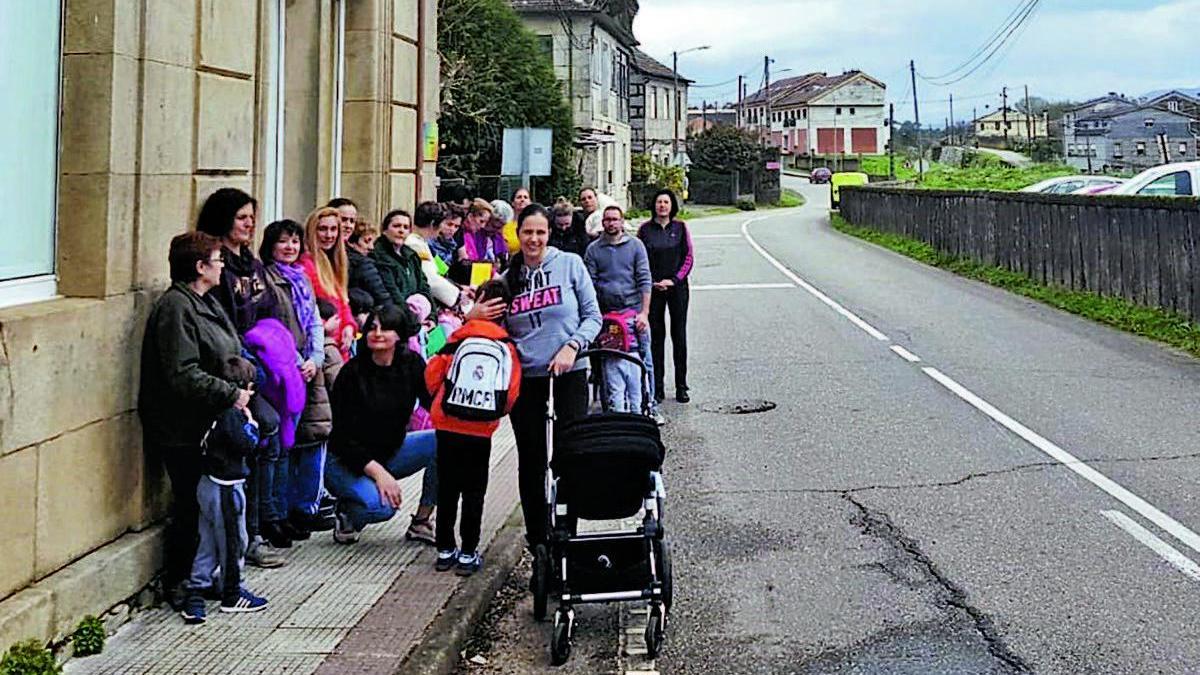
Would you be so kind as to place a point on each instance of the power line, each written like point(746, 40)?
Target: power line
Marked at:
point(1008, 21)
point(1033, 5)
point(730, 81)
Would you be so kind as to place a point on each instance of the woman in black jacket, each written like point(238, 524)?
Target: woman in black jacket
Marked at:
point(669, 247)
point(565, 233)
point(364, 274)
point(188, 339)
point(370, 448)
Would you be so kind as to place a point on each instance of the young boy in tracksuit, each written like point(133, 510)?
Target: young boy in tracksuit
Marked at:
point(233, 438)
point(464, 436)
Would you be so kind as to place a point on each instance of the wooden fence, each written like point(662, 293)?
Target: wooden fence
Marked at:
point(1142, 249)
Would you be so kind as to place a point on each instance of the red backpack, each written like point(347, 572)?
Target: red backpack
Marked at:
point(616, 331)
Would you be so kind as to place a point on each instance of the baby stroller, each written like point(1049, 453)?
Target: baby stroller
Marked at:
point(604, 467)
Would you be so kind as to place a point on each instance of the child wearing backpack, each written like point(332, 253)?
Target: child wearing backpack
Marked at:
point(622, 379)
point(474, 381)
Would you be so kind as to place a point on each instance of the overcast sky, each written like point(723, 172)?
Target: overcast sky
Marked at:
point(1069, 49)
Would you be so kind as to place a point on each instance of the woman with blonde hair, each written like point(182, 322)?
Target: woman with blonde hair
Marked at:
point(328, 268)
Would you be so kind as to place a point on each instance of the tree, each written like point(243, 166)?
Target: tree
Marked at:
point(724, 149)
point(495, 76)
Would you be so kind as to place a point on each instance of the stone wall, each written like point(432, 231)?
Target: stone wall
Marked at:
point(162, 102)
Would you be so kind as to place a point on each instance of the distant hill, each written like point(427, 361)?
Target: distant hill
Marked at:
point(1190, 91)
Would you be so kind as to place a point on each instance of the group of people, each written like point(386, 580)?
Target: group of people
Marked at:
point(288, 390)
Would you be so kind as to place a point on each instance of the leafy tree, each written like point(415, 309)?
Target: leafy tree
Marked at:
point(724, 149)
point(494, 76)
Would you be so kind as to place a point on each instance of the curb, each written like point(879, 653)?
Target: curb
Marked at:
point(437, 653)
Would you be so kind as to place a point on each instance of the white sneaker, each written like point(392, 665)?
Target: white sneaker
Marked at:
point(658, 418)
point(343, 529)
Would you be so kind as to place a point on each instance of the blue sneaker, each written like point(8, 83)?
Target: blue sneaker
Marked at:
point(244, 602)
point(445, 560)
point(468, 564)
point(193, 610)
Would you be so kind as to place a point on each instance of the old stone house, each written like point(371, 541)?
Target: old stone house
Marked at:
point(125, 115)
point(658, 101)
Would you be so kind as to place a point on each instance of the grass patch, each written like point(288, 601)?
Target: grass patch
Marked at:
point(877, 165)
point(991, 176)
point(1155, 323)
point(790, 199)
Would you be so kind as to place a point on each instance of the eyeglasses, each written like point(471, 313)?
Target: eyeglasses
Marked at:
point(215, 261)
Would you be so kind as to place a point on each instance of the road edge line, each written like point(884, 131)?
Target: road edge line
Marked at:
point(1167, 552)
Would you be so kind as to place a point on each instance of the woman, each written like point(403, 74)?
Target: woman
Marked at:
point(245, 294)
point(328, 269)
point(347, 215)
point(567, 235)
point(280, 251)
point(669, 247)
point(505, 211)
point(445, 246)
point(370, 449)
point(364, 275)
point(188, 339)
point(399, 266)
point(553, 317)
point(521, 199)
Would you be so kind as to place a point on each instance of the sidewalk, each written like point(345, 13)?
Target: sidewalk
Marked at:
point(334, 608)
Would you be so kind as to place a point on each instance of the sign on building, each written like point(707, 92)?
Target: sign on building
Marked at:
point(526, 152)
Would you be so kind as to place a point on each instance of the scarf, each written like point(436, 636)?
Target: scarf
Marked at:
point(302, 296)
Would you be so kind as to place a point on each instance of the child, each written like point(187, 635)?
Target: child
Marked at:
point(445, 246)
point(622, 379)
point(474, 382)
point(234, 435)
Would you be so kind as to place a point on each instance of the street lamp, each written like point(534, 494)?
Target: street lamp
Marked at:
point(675, 72)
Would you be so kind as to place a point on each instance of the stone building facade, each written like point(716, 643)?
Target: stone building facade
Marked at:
point(131, 112)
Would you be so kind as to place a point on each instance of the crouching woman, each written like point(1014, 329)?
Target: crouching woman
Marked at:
point(370, 447)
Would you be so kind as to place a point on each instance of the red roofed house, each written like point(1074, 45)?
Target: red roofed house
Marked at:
point(821, 114)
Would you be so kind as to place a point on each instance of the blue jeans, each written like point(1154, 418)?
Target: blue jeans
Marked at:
point(359, 498)
point(644, 351)
point(306, 467)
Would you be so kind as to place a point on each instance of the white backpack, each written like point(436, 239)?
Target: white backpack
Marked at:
point(477, 382)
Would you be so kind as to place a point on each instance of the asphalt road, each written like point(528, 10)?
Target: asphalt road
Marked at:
point(886, 519)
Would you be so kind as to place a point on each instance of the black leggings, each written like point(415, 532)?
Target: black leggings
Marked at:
point(462, 466)
point(529, 426)
point(673, 300)
point(183, 532)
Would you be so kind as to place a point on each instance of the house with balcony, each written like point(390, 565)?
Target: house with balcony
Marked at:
point(821, 114)
point(591, 44)
point(1091, 118)
point(1134, 140)
point(658, 101)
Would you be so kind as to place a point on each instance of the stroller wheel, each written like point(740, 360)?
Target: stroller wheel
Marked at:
point(654, 631)
point(665, 575)
point(540, 583)
point(560, 643)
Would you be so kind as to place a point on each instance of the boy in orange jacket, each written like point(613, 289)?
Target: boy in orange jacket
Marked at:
point(474, 381)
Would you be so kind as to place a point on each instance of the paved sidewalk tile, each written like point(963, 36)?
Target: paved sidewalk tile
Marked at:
point(383, 587)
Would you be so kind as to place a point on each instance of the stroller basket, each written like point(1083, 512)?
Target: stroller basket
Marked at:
point(603, 464)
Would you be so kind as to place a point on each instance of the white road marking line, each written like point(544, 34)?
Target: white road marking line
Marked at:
point(905, 354)
point(739, 287)
point(716, 236)
point(1164, 550)
point(854, 319)
point(1139, 505)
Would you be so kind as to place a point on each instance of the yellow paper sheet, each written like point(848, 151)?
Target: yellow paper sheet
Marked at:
point(480, 272)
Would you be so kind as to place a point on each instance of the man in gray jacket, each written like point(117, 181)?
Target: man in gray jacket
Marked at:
point(620, 271)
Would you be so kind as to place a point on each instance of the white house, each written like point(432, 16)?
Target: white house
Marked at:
point(591, 43)
point(821, 114)
point(658, 103)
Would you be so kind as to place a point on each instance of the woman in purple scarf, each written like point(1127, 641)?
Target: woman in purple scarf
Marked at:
point(283, 243)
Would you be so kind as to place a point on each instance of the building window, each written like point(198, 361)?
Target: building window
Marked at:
point(1117, 151)
point(804, 113)
point(852, 111)
point(1149, 122)
point(838, 111)
point(1173, 106)
point(997, 126)
point(31, 53)
point(1183, 149)
point(546, 46)
point(1140, 149)
point(678, 103)
point(653, 102)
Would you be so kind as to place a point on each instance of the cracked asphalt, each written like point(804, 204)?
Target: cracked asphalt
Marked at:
point(873, 522)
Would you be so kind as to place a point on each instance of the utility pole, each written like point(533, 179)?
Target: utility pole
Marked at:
point(739, 102)
point(1004, 112)
point(1089, 153)
point(912, 67)
point(1030, 126)
point(892, 141)
point(703, 115)
point(952, 134)
point(767, 94)
point(675, 94)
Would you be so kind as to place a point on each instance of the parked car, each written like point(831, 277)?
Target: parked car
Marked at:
point(819, 175)
point(1098, 189)
point(1065, 185)
point(838, 180)
point(1181, 179)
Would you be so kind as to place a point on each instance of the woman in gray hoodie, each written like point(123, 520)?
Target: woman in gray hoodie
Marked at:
point(553, 317)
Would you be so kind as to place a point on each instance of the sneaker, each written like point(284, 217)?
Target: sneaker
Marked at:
point(274, 534)
point(445, 560)
point(193, 610)
point(244, 602)
point(682, 396)
point(343, 529)
point(422, 531)
point(468, 564)
point(658, 418)
point(259, 554)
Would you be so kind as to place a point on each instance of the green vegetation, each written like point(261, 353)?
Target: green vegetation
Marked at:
point(724, 149)
point(88, 638)
point(745, 205)
point(29, 658)
point(991, 177)
point(1151, 322)
point(789, 199)
point(493, 76)
point(877, 165)
point(643, 169)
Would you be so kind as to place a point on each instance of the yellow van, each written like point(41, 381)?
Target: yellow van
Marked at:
point(844, 178)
